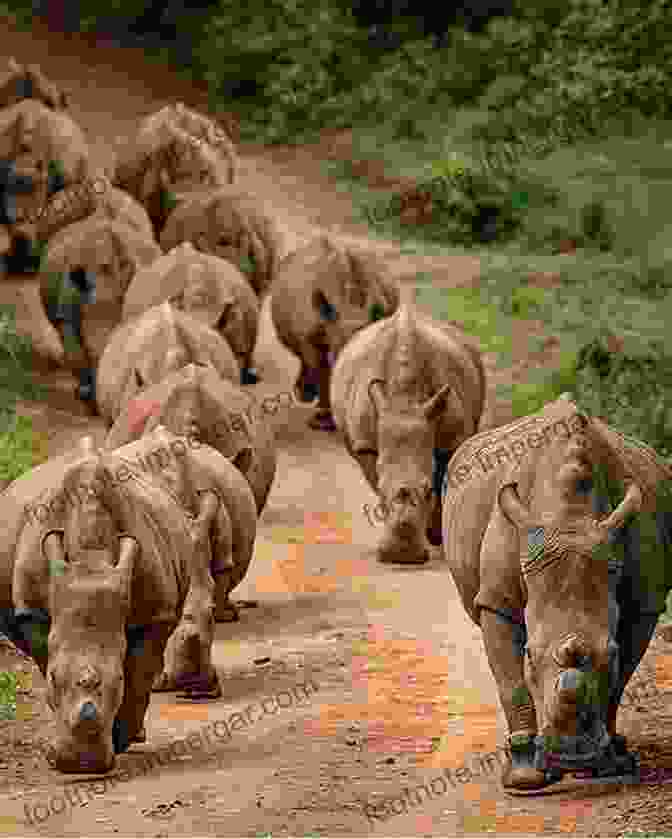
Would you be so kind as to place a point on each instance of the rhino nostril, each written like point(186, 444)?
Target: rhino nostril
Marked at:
point(88, 712)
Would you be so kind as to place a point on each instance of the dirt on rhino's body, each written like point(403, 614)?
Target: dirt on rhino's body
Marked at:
point(406, 391)
point(196, 402)
point(532, 564)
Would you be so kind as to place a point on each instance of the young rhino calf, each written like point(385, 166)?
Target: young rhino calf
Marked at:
point(540, 572)
point(406, 391)
point(323, 294)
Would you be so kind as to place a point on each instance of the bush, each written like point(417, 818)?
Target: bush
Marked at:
point(16, 361)
point(21, 448)
point(605, 59)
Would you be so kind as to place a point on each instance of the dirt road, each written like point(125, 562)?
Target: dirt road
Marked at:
point(400, 690)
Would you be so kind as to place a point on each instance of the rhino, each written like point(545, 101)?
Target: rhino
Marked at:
point(163, 167)
point(406, 392)
point(92, 589)
point(227, 540)
point(98, 257)
point(47, 149)
point(101, 565)
point(196, 125)
point(323, 294)
point(534, 564)
point(26, 81)
point(196, 402)
point(232, 224)
point(210, 290)
point(141, 352)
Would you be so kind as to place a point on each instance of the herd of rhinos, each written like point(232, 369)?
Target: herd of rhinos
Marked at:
point(115, 589)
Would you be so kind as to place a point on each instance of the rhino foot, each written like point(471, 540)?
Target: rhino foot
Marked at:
point(402, 558)
point(519, 772)
point(197, 689)
point(322, 421)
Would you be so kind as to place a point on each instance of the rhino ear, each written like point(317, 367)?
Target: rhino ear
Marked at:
point(377, 394)
point(511, 506)
point(436, 404)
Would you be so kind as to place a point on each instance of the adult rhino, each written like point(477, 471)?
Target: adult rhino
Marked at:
point(94, 261)
point(26, 81)
point(46, 146)
point(232, 224)
point(209, 289)
point(95, 567)
point(141, 352)
point(162, 168)
point(196, 402)
point(201, 128)
point(406, 391)
point(191, 472)
point(538, 570)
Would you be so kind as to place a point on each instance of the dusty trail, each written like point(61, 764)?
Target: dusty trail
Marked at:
point(397, 662)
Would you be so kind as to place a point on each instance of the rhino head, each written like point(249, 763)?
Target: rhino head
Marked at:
point(407, 424)
point(571, 653)
point(90, 568)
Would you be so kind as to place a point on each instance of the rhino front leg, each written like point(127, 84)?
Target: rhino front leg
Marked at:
point(504, 643)
point(144, 661)
point(323, 419)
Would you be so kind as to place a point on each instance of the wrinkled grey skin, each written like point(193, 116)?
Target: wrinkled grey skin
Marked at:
point(102, 562)
point(401, 389)
point(562, 584)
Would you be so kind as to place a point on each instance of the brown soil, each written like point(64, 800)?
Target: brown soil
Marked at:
point(404, 689)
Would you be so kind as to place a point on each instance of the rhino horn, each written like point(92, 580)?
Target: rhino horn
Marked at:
point(436, 404)
point(511, 506)
point(405, 361)
point(128, 552)
point(376, 390)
